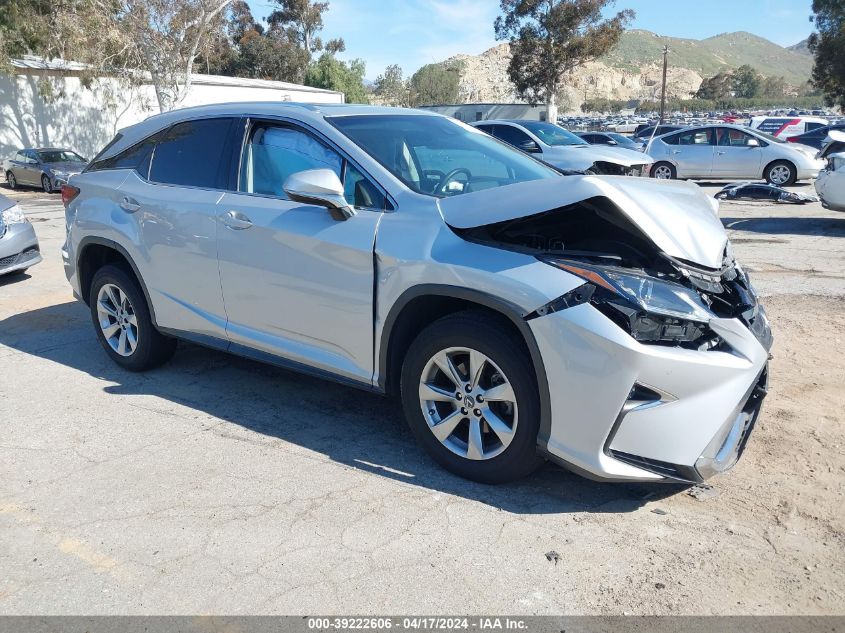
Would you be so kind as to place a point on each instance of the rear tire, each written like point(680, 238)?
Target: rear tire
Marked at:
point(781, 173)
point(663, 171)
point(495, 440)
point(122, 321)
point(11, 180)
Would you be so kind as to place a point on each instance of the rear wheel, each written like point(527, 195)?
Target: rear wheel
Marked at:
point(46, 185)
point(470, 397)
point(781, 173)
point(664, 171)
point(11, 180)
point(122, 321)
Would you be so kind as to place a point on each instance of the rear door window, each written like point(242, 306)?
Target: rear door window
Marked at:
point(194, 154)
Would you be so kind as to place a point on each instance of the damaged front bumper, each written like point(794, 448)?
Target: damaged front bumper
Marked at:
point(624, 410)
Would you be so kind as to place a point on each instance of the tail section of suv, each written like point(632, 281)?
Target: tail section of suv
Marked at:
point(518, 314)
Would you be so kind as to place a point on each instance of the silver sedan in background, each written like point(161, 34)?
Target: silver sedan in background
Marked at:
point(18, 244)
point(731, 151)
point(562, 149)
point(46, 167)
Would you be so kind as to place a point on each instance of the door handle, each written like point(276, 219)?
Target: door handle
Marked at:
point(130, 205)
point(235, 220)
point(720, 153)
point(676, 151)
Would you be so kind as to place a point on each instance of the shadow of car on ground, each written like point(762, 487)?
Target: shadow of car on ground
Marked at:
point(826, 227)
point(361, 430)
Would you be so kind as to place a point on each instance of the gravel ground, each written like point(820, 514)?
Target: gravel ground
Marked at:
point(219, 485)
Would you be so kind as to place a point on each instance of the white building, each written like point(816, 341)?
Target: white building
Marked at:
point(85, 119)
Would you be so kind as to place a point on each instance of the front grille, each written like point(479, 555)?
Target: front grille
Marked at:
point(9, 261)
point(19, 258)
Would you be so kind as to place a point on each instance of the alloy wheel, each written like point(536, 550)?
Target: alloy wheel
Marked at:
point(117, 319)
point(46, 185)
point(779, 174)
point(10, 179)
point(468, 403)
point(663, 172)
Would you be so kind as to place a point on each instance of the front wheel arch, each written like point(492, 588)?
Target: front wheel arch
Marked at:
point(420, 305)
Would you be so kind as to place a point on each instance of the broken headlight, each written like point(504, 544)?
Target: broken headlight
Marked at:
point(650, 309)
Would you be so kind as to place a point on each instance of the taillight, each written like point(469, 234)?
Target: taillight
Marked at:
point(69, 192)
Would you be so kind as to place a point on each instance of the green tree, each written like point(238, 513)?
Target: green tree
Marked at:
point(773, 87)
point(746, 82)
point(827, 45)
point(719, 86)
point(243, 49)
point(391, 88)
point(550, 38)
point(435, 84)
point(302, 20)
point(333, 74)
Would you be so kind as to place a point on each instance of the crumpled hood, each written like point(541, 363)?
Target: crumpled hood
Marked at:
point(833, 143)
point(585, 155)
point(677, 216)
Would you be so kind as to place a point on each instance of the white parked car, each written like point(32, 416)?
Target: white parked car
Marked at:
point(732, 151)
point(830, 184)
point(562, 149)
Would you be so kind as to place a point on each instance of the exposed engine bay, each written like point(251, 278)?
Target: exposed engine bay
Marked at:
point(596, 241)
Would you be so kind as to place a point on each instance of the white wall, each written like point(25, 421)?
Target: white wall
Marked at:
point(85, 119)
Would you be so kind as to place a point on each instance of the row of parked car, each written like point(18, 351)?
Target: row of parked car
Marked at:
point(710, 151)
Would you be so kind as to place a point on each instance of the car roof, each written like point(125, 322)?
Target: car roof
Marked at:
point(306, 112)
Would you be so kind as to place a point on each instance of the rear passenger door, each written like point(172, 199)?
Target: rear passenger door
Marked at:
point(172, 201)
point(692, 152)
point(297, 282)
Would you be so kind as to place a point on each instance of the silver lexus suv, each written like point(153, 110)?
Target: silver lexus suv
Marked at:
point(519, 314)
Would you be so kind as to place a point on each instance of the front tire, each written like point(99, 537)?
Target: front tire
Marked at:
point(781, 173)
point(122, 321)
point(470, 398)
point(11, 180)
point(46, 185)
point(663, 171)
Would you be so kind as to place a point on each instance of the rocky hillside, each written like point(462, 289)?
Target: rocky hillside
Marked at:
point(633, 69)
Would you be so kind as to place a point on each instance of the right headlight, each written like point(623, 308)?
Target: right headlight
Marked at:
point(649, 309)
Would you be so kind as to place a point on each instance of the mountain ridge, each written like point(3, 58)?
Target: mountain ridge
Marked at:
point(632, 71)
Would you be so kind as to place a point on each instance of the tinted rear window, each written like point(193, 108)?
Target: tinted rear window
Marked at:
point(194, 154)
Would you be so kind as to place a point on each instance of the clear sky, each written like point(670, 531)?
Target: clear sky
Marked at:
point(412, 33)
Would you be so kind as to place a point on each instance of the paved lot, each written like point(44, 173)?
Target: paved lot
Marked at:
point(218, 485)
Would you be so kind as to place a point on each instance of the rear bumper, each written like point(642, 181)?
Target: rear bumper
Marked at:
point(18, 248)
point(622, 410)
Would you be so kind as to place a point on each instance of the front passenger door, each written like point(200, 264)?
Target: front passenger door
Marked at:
point(296, 282)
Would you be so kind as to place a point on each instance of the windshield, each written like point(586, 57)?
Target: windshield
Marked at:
point(438, 156)
point(552, 134)
point(622, 140)
point(60, 156)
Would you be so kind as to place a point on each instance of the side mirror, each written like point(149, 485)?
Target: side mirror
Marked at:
point(530, 146)
point(612, 142)
point(753, 142)
point(321, 187)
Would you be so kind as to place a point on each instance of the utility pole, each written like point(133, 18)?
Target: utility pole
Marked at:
point(663, 90)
